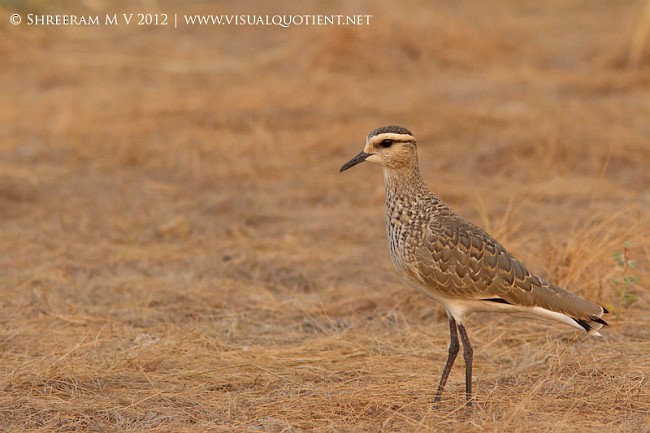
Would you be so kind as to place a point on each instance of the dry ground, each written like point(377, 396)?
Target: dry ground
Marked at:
point(178, 251)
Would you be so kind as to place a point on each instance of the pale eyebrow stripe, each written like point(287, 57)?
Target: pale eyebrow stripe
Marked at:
point(392, 136)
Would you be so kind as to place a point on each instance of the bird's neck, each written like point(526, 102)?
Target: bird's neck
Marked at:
point(406, 183)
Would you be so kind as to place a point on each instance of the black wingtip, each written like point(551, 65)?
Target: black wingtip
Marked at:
point(598, 320)
point(498, 300)
point(583, 323)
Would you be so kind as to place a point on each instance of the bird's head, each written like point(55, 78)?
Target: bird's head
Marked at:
point(392, 147)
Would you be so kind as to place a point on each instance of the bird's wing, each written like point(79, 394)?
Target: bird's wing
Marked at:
point(462, 261)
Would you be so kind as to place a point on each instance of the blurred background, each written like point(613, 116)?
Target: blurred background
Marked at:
point(178, 250)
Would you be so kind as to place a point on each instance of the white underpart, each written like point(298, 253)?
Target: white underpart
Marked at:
point(461, 308)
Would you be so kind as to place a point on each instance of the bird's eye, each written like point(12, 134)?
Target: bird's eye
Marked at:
point(386, 143)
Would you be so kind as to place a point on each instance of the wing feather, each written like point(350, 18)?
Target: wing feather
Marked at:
point(461, 260)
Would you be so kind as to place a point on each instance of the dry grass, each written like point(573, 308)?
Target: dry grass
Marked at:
point(179, 252)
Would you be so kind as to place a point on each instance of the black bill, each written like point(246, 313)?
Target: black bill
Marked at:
point(356, 160)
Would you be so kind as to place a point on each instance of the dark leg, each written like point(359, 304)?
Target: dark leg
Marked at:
point(468, 354)
point(451, 357)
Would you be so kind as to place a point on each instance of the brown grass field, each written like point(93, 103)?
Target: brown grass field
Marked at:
point(178, 252)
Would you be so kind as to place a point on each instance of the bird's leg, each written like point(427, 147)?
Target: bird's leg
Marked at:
point(468, 354)
point(451, 357)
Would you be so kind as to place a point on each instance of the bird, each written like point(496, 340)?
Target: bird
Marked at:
point(453, 261)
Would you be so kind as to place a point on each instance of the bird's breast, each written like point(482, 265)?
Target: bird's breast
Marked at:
point(405, 233)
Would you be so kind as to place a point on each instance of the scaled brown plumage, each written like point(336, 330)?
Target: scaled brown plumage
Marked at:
point(455, 262)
